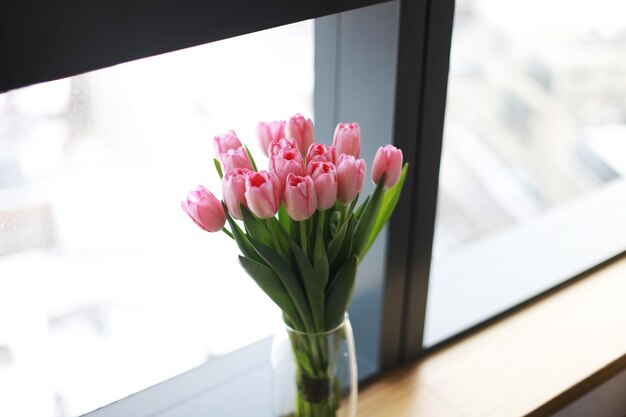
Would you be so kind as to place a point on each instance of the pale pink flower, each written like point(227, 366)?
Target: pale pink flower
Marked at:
point(324, 175)
point(263, 193)
point(234, 191)
point(225, 142)
point(321, 152)
point(301, 130)
point(287, 161)
point(235, 158)
point(266, 132)
point(204, 209)
point(388, 161)
point(279, 144)
point(347, 139)
point(350, 176)
point(300, 197)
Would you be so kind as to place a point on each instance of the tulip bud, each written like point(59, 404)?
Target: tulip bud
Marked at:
point(268, 132)
point(300, 197)
point(321, 152)
point(388, 161)
point(347, 139)
point(350, 177)
point(301, 130)
point(235, 158)
point(225, 142)
point(324, 177)
point(234, 191)
point(204, 209)
point(279, 144)
point(287, 161)
point(263, 193)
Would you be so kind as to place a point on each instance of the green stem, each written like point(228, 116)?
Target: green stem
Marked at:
point(230, 235)
point(342, 216)
point(303, 238)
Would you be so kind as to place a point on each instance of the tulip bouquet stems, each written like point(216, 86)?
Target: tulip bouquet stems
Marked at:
point(302, 232)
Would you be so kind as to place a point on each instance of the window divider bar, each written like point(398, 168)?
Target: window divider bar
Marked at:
point(409, 85)
point(429, 139)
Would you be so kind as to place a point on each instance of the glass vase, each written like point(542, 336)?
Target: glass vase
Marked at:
point(314, 374)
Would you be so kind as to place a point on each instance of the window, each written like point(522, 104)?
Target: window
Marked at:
point(531, 189)
point(136, 294)
point(530, 195)
point(102, 274)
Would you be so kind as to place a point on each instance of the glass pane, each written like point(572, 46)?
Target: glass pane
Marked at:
point(106, 287)
point(533, 154)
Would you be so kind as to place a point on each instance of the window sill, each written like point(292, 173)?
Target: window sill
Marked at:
point(533, 362)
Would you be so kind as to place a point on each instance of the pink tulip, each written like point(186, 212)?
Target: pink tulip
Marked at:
point(301, 130)
point(268, 132)
point(234, 191)
point(263, 193)
point(287, 161)
point(388, 161)
point(350, 177)
point(347, 139)
point(225, 142)
point(279, 144)
point(300, 197)
point(324, 177)
point(321, 152)
point(204, 209)
point(233, 159)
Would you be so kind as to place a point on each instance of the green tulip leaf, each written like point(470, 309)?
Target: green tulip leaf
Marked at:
point(255, 226)
point(289, 280)
point(218, 168)
point(251, 158)
point(346, 247)
point(278, 236)
point(284, 219)
point(339, 293)
point(242, 241)
point(271, 285)
point(359, 211)
point(314, 288)
point(334, 246)
point(387, 207)
point(366, 221)
point(320, 259)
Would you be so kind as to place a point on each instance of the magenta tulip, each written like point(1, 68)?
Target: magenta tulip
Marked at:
point(350, 177)
point(266, 132)
point(234, 191)
point(388, 161)
point(324, 177)
point(301, 130)
point(225, 142)
point(286, 162)
point(300, 197)
point(321, 152)
point(235, 158)
point(278, 145)
point(347, 139)
point(204, 209)
point(263, 193)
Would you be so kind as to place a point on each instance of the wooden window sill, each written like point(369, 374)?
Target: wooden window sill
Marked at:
point(533, 362)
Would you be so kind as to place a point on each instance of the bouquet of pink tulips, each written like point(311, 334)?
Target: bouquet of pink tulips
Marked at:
point(303, 234)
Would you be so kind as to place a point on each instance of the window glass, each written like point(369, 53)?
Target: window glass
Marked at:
point(106, 287)
point(533, 154)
